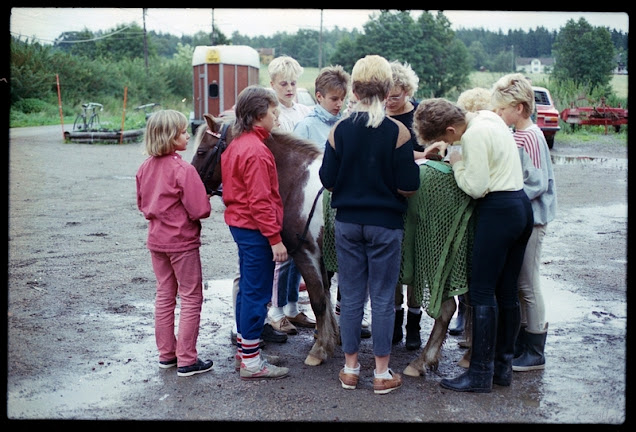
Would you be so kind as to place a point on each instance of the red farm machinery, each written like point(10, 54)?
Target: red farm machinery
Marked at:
point(599, 115)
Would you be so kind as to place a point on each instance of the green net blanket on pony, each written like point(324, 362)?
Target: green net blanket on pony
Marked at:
point(438, 234)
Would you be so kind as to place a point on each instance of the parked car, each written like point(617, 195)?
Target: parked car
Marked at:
point(304, 97)
point(547, 116)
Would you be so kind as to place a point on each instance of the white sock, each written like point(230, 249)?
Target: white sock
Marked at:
point(253, 364)
point(291, 309)
point(386, 374)
point(276, 313)
point(251, 354)
point(355, 371)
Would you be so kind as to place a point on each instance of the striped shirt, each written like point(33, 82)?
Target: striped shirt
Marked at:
point(529, 140)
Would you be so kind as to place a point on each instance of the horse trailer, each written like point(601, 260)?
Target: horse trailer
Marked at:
point(219, 74)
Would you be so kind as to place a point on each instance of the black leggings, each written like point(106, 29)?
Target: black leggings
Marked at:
point(504, 224)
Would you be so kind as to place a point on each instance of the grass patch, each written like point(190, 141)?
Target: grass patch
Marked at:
point(306, 80)
point(46, 114)
point(620, 85)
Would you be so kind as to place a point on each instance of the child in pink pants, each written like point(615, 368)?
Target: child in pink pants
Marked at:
point(171, 195)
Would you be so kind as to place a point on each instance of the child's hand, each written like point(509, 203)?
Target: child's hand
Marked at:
point(436, 151)
point(280, 252)
point(454, 156)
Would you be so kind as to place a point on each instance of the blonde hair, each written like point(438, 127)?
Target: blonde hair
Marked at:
point(162, 131)
point(405, 77)
point(475, 99)
point(285, 68)
point(252, 105)
point(512, 90)
point(372, 80)
point(433, 116)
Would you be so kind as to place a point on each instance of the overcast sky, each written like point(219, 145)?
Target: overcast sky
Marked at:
point(46, 24)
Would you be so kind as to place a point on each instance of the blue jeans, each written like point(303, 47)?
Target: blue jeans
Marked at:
point(369, 260)
point(286, 283)
point(504, 225)
point(256, 264)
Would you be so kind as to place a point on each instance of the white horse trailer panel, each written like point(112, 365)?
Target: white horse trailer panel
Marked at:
point(220, 73)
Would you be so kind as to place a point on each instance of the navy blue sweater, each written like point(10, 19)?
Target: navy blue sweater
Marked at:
point(364, 167)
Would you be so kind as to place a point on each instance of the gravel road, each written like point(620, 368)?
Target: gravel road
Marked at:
point(81, 289)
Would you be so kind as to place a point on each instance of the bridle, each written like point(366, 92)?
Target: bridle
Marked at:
point(213, 158)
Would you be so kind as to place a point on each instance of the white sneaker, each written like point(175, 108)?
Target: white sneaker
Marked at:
point(267, 371)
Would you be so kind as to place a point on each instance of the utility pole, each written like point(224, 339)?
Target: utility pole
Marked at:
point(513, 58)
point(212, 26)
point(145, 42)
point(320, 43)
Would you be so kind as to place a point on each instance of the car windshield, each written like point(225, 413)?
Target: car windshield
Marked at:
point(305, 98)
point(541, 98)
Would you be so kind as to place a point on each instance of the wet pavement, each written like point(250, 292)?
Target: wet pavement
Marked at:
point(559, 392)
point(80, 316)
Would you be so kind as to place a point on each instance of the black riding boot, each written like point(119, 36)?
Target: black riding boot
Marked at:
point(478, 377)
point(397, 327)
point(459, 321)
point(507, 330)
point(413, 338)
point(533, 357)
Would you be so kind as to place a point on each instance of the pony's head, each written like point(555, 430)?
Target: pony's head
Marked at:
point(210, 141)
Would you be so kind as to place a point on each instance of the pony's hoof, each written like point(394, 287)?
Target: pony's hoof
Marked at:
point(313, 361)
point(414, 372)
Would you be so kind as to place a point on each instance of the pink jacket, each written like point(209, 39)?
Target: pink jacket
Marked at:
point(171, 195)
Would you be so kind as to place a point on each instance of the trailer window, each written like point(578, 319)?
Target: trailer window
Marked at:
point(213, 90)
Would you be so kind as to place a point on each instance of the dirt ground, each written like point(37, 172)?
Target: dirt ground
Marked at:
point(81, 290)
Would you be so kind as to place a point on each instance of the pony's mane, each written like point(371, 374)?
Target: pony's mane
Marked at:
point(198, 136)
point(283, 138)
point(304, 146)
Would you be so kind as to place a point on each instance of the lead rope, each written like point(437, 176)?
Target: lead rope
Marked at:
point(303, 238)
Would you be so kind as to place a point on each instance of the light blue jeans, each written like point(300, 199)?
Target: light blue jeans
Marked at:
point(369, 260)
point(286, 283)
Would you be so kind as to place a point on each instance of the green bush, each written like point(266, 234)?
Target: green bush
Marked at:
point(32, 105)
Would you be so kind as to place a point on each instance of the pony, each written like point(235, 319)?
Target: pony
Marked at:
point(297, 162)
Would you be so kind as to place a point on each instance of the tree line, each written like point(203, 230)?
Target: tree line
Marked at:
point(158, 65)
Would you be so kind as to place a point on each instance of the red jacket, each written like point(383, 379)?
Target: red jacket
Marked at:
point(250, 185)
point(171, 195)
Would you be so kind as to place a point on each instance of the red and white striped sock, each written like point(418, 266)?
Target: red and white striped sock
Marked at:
point(251, 353)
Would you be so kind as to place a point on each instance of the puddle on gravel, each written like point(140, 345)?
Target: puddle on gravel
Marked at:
point(127, 369)
point(604, 161)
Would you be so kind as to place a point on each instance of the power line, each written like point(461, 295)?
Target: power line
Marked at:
point(98, 37)
point(116, 32)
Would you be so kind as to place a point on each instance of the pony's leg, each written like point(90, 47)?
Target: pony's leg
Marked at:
point(327, 328)
point(430, 355)
point(325, 343)
point(318, 287)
